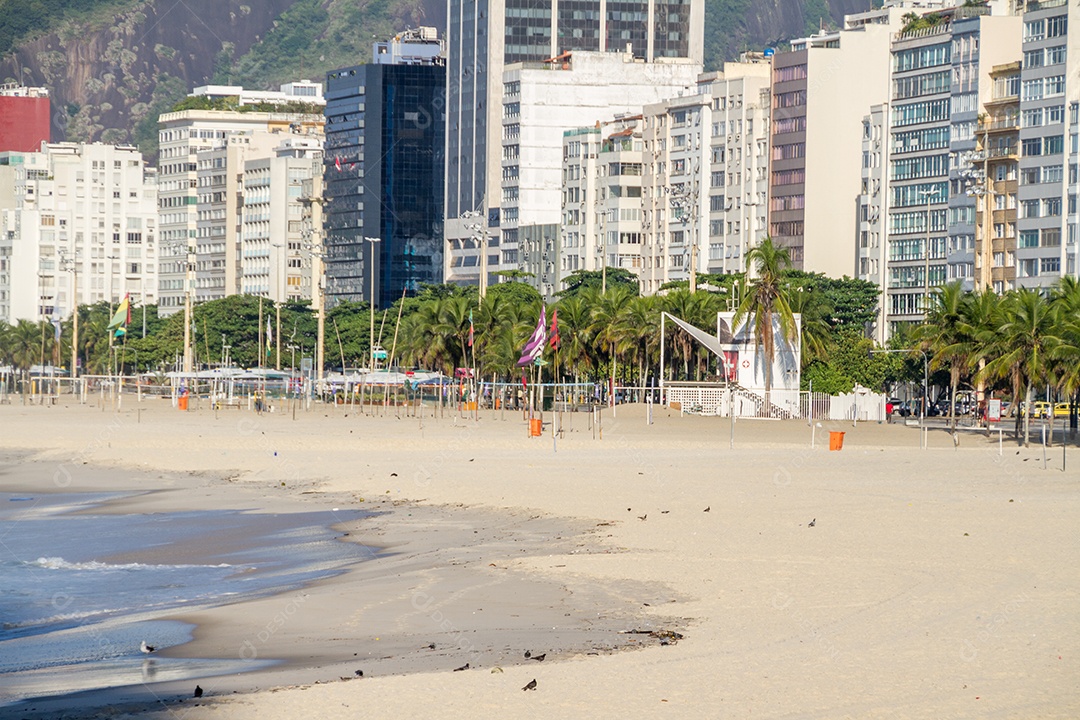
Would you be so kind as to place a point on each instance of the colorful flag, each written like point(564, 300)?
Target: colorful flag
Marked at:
point(269, 336)
point(535, 346)
point(121, 318)
point(56, 329)
point(471, 329)
point(555, 329)
point(337, 164)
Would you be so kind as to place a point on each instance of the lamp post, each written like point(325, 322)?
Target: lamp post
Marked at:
point(475, 225)
point(926, 251)
point(318, 252)
point(684, 198)
point(371, 297)
point(72, 265)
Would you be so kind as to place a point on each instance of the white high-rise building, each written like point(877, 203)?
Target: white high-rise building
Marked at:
point(220, 177)
point(275, 263)
point(540, 102)
point(706, 175)
point(1049, 102)
point(182, 135)
point(602, 171)
point(78, 227)
point(486, 37)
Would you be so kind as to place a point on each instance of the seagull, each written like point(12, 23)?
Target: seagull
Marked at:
point(528, 653)
point(198, 691)
point(540, 658)
point(812, 523)
point(531, 685)
point(359, 673)
point(707, 509)
point(643, 517)
point(463, 667)
point(147, 649)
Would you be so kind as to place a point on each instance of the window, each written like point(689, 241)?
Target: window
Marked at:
point(1033, 59)
point(1028, 239)
point(1032, 89)
point(1029, 208)
point(1053, 145)
point(923, 57)
point(1034, 30)
point(1055, 85)
point(1049, 265)
point(1032, 117)
point(1032, 147)
point(1056, 26)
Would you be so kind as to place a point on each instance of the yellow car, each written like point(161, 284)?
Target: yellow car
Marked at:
point(1042, 409)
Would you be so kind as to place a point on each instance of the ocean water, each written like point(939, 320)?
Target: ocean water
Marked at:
point(83, 584)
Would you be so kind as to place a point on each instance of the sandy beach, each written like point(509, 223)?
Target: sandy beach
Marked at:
point(938, 583)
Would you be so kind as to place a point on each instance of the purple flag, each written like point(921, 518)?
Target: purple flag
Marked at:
point(535, 346)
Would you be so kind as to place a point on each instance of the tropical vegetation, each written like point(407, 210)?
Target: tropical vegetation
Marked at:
point(1018, 346)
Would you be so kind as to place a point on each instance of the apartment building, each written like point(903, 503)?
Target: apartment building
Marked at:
point(941, 82)
point(738, 180)
point(998, 152)
point(873, 209)
point(602, 211)
point(487, 36)
point(79, 227)
point(676, 197)
point(1049, 92)
point(821, 91)
point(275, 257)
point(181, 136)
point(540, 102)
point(980, 42)
point(220, 183)
point(25, 120)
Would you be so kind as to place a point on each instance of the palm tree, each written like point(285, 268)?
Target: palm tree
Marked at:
point(765, 305)
point(1024, 345)
point(27, 341)
point(1066, 301)
point(981, 318)
point(814, 309)
point(641, 329)
point(944, 338)
point(575, 331)
point(607, 311)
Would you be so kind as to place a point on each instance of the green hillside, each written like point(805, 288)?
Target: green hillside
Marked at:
point(20, 19)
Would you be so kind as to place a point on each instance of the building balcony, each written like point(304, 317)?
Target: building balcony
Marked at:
point(1000, 124)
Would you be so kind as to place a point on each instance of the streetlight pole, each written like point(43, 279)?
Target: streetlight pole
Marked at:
point(73, 266)
point(371, 298)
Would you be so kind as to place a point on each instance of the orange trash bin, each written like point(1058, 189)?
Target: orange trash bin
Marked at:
point(536, 428)
point(836, 441)
point(181, 401)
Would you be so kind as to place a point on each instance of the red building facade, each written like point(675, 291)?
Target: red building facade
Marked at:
point(24, 118)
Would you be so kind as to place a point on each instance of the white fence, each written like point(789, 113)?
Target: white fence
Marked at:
point(719, 399)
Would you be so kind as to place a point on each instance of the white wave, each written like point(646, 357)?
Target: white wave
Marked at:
point(59, 563)
point(61, 618)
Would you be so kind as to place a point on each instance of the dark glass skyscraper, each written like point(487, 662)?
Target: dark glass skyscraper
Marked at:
point(384, 173)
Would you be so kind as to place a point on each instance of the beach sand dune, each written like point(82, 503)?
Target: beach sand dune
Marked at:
point(934, 583)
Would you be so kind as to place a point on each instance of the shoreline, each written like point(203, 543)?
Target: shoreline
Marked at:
point(934, 583)
point(428, 544)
